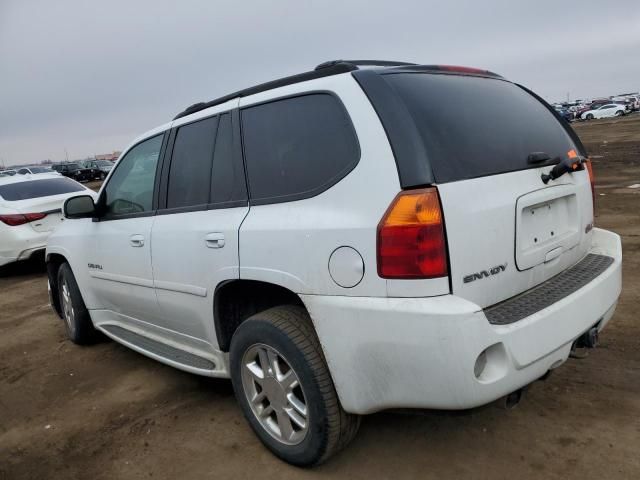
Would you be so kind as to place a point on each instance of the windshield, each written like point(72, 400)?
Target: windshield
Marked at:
point(475, 126)
point(38, 188)
point(104, 163)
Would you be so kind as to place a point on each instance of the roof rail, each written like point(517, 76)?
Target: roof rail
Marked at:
point(334, 69)
point(327, 69)
point(364, 63)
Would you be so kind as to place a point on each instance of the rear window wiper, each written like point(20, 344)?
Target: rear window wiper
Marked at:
point(570, 163)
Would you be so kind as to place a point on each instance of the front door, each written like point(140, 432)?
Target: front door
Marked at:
point(120, 260)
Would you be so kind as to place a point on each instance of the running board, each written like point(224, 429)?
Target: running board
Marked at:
point(159, 349)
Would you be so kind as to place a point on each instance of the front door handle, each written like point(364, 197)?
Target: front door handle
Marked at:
point(136, 240)
point(214, 240)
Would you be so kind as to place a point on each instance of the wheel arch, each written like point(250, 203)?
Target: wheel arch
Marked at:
point(53, 262)
point(236, 300)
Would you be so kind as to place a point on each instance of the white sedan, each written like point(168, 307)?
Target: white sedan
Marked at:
point(608, 110)
point(30, 208)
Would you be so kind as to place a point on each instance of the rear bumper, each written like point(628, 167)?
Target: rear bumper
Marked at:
point(20, 243)
point(421, 352)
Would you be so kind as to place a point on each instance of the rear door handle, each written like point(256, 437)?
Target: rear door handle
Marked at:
point(214, 240)
point(136, 240)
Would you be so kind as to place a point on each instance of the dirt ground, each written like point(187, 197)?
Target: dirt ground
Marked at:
point(105, 412)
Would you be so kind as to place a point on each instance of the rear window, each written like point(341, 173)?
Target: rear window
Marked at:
point(297, 147)
point(472, 127)
point(38, 188)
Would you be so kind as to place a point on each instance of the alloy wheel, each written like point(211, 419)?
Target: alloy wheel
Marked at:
point(67, 306)
point(274, 393)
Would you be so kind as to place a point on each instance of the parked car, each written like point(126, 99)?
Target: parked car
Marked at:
point(7, 173)
point(75, 171)
point(592, 106)
point(30, 208)
point(605, 111)
point(564, 113)
point(36, 170)
point(364, 247)
point(100, 168)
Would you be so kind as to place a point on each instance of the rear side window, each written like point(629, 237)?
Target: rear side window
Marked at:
point(227, 178)
point(191, 162)
point(38, 188)
point(297, 147)
point(472, 126)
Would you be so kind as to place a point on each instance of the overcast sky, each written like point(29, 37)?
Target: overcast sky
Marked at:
point(88, 76)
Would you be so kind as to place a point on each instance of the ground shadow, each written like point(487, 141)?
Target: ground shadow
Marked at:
point(32, 266)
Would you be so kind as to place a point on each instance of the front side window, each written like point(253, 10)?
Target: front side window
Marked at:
point(297, 147)
point(130, 188)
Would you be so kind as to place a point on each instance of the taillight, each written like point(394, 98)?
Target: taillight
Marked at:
point(592, 180)
point(411, 240)
point(13, 220)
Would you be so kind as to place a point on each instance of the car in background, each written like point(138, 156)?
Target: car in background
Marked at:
point(605, 111)
point(30, 208)
point(7, 173)
point(74, 171)
point(100, 168)
point(36, 170)
point(564, 113)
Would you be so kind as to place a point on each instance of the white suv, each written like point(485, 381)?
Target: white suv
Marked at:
point(344, 241)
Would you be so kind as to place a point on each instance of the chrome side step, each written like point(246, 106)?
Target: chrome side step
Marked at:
point(160, 349)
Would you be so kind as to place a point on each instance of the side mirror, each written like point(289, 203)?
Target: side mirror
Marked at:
point(81, 206)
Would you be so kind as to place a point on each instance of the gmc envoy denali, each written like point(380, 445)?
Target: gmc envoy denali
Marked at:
point(343, 241)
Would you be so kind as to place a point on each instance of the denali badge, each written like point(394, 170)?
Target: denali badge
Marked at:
point(94, 266)
point(484, 273)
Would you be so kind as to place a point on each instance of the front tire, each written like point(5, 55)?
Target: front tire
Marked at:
point(619, 113)
point(284, 387)
point(589, 117)
point(75, 315)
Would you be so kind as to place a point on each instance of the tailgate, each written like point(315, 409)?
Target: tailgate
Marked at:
point(508, 233)
point(487, 141)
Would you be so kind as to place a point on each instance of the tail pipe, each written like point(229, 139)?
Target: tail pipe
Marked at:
point(511, 400)
point(587, 340)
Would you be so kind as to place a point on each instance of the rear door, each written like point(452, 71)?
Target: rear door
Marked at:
point(195, 235)
point(506, 230)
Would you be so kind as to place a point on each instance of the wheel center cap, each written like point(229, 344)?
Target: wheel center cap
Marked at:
point(274, 392)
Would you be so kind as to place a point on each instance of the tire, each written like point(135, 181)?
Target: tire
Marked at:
point(619, 113)
point(589, 117)
point(102, 176)
point(75, 315)
point(286, 333)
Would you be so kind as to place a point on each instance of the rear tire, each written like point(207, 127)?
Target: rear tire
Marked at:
point(619, 114)
point(271, 351)
point(589, 117)
point(77, 321)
